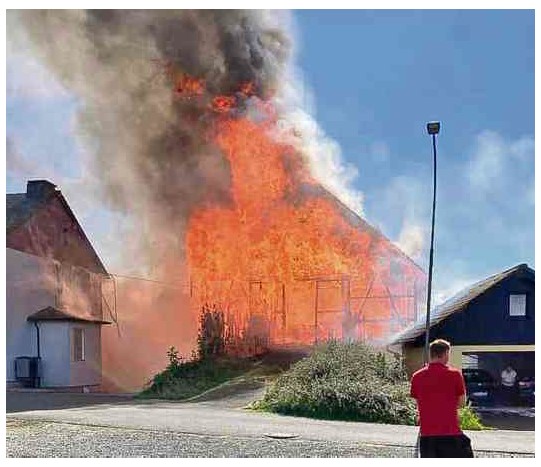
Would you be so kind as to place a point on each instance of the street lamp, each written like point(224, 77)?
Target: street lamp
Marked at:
point(433, 129)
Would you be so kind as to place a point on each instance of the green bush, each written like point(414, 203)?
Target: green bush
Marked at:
point(345, 381)
point(469, 420)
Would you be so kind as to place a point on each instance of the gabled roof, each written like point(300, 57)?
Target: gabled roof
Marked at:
point(21, 207)
point(457, 303)
point(52, 314)
point(358, 221)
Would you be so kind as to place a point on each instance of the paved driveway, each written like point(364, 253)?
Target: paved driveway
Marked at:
point(211, 419)
point(32, 400)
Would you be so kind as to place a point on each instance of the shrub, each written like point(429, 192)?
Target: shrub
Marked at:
point(469, 420)
point(346, 381)
point(211, 336)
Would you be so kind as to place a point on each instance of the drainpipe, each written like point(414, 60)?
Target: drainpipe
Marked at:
point(38, 369)
point(37, 335)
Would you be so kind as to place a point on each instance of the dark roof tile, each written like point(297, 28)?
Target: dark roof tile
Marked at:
point(455, 304)
point(52, 314)
point(20, 208)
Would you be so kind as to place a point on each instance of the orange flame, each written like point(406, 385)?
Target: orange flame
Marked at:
point(287, 235)
point(223, 104)
point(186, 86)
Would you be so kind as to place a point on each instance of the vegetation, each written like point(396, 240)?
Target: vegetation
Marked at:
point(209, 366)
point(185, 379)
point(469, 420)
point(211, 337)
point(344, 381)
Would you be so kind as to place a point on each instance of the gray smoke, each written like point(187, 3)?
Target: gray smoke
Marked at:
point(152, 153)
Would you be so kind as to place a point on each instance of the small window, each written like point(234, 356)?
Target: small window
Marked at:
point(77, 345)
point(517, 305)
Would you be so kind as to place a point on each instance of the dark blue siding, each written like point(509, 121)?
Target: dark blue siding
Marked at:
point(486, 319)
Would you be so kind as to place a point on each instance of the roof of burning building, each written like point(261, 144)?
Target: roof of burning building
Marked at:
point(357, 220)
point(457, 303)
point(52, 314)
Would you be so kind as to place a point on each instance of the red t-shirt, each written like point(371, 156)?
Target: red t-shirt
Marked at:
point(437, 388)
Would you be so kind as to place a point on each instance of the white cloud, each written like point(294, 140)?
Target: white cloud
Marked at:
point(485, 168)
point(523, 148)
point(494, 161)
point(484, 218)
point(402, 206)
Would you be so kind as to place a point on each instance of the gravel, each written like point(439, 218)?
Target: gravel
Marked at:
point(32, 438)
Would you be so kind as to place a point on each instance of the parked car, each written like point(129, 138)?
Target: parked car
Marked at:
point(526, 389)
point(480, 386)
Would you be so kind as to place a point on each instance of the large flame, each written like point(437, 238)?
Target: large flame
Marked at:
point(283, 252)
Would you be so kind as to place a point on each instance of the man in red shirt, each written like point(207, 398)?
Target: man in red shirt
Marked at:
point(440, 390)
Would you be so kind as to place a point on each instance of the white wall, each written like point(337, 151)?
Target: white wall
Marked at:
point(31, 286)
point(87, 372)
point(55, 353)
point(27, 291)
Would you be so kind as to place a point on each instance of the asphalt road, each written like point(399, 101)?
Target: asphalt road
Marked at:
point(97, 425)
point(46, 439)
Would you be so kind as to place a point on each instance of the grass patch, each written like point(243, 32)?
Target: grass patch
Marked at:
point(343, 381)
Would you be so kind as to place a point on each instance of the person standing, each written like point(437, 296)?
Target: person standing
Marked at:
point(439, 390)
point(508, 384)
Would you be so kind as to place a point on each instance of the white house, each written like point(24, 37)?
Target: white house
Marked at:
point(54, 302)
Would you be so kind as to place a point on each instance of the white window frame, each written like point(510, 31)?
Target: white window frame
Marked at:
point(517, 304)
point(74, 332)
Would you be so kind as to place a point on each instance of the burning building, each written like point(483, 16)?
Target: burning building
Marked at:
point(286, 261)
point(195, 137)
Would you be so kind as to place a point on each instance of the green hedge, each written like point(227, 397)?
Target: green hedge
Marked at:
point(344, 381)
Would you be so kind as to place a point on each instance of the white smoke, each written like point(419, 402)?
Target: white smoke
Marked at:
point(412, 239)
point(298, 126)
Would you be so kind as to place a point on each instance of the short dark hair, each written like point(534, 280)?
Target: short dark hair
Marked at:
point(438, 348)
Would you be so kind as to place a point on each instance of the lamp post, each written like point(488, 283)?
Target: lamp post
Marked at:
point(433, 129)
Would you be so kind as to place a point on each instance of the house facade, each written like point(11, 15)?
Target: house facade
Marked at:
point(490, 325)
point(54, 302)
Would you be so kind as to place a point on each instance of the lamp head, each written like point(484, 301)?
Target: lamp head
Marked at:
point(433, 128)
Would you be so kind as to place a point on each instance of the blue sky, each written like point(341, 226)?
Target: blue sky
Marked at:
point(376, 78)
point(379, 76)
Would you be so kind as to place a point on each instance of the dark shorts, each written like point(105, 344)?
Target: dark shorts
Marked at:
point(445, 446)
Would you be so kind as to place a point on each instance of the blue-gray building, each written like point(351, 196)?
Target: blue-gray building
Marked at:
point(490, 325)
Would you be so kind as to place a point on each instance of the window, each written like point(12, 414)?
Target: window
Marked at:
point(517, 305)
point(77, 345)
